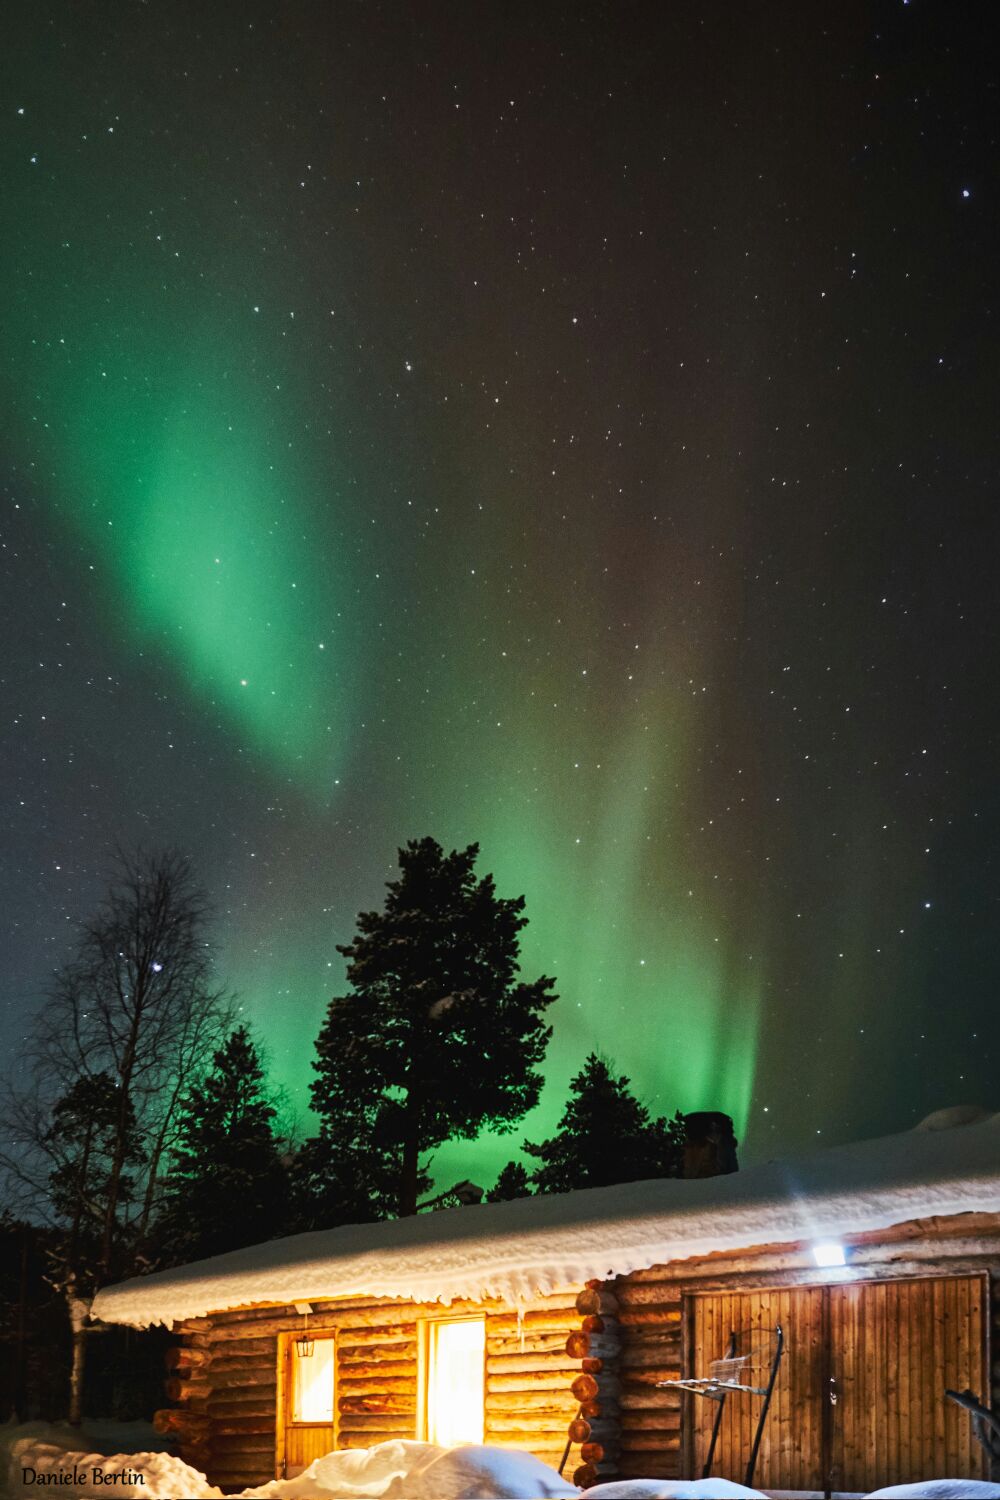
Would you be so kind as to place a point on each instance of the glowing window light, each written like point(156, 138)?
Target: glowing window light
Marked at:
point(829, 1254)
point(312, 1384)
point(456, 1357)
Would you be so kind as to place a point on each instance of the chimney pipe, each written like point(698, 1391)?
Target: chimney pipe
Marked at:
point(709, 1144)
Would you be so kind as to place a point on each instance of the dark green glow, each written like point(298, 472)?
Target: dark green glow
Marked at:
point(179, 424)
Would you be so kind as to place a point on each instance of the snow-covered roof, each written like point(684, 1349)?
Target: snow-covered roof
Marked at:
point(531, 1246)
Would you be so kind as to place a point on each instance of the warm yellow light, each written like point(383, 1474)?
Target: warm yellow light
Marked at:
point(312, 1384)
point(455, 1382)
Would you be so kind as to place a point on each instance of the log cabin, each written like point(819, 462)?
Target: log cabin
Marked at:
point(562, 1324)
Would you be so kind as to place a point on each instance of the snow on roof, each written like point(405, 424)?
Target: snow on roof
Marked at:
point(531, 1246)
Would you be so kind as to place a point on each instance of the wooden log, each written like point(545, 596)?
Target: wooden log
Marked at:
point(648, 1398)
point(250, 1460)
point(176, 1389)
point(603, 1346)
point(378, 1405)
point(648, 1294)
point(637, 1317)
point(654, 1463)
point(372, 1354)
point(186, 1423)
point(585, 1477)
point(596, 1299)
point(371, 1423)
point(585, 1387)
point(220, 1410)
point(194, 1325)
point(382, 1369)
point(545, 1400)
point(599, 1406)
point(546, 1319)
point(264, 1391)
point(254, 1375)
point(529, 1381)
point(389, 1333)
point(513, 1364)
point(184, 1357)
point(224, 1362)
point(660, 1420)
point(639, 1375)
point(528, 1343)
point(651, 1442)
point(594, 1323)
point(378, 1386)
point(603, 1430)
point(548, 1449)
point(522, 1421)
point(263, 1348)
point(226, 1426)
point(651, 1355)
point(592, 1453)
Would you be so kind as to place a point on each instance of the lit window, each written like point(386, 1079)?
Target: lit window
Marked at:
point(456, 1354)
point(312, 1383)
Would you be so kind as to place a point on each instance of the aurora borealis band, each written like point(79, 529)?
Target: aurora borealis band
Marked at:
point(569, 430)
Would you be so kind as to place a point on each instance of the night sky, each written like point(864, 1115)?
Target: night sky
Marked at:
point(572, 429)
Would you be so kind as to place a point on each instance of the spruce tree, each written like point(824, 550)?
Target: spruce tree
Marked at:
point(605, 1136)
point(227, 1185)
point(436, 1040)
point(513, 1182)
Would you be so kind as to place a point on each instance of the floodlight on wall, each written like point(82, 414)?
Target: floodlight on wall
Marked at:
point(829, 1254)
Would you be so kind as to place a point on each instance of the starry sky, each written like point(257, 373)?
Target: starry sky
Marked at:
point(567, 428)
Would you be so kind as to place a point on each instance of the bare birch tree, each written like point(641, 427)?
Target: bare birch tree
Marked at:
point(132, 1019)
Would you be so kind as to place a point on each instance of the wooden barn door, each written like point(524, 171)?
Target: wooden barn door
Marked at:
point(897, 1346)
point(791, 1450)
point(885, 1351)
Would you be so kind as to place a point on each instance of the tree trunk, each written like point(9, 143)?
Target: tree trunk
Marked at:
point(410, 1176)
point(410, 1173)
point(77, 1310)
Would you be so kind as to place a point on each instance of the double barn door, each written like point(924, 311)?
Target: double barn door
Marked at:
point(859, 1401)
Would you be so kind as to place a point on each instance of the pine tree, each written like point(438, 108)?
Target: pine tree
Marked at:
point(437, 1038)
point(227, 1185)
point(513, 1182)
point(605, 1136)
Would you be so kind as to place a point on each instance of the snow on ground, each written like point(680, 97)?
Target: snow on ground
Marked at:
point(39, 1455)
point(941, 1489)
point(670, 1489)
point(534, 1245)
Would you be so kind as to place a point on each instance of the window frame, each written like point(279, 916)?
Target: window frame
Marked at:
point(425, 1352)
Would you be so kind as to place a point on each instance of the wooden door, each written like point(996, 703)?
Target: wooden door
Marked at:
point(791, 1450)
point(896, 1347)
point(306, 1407)
point(885, 1350)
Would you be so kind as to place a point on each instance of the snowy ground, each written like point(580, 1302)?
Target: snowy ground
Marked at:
point(105, 1458)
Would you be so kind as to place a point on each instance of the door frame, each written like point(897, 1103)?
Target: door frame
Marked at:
point(285, 1354)
point(822, 1284)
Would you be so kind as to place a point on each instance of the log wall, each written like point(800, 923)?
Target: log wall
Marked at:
point(223, 1377)
point(584, 1372)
